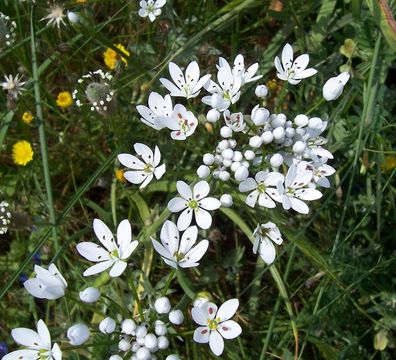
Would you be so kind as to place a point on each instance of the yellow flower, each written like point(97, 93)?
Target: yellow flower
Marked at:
point(111, 57)
point(390, 162)
point(27, 117)
point(22, 152)
point(64, 99)
point(81, 1)
point(119, 174)
point(272, 84)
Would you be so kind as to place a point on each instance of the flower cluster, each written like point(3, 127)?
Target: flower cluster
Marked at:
point(5, 217)
point(7, 30)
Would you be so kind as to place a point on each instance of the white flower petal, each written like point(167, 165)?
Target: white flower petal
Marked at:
point(28, 338)
point(171, 87)
point(160, 249)
point(299, 206)
point(124, 234)
point(199, 315)
point(267, 251)
point(170, 237)
point(184, 220)
point(104, 234)
point(196, 253)
point(210, 203)
point(135, 177)
point(251, 199)
point(145, 152)
point(44, 334)
point(98, 268)
point(287, 57)
point(92, 252)
point(247, 185)
point(188, 239)
point(300, 63)
point(203, 219)
point(56, 352)
point(118, 268)
point(184, 190)
point(201, 334)
point(227, 310)
point(177, 204)
point(266, 201)
point(201, 190)
point(159, 171)
point(146, 181)
point(21, 355)
point(176, 75)
point(306, 73)
point(216, 343)
point(127, 251)
point(229, 329)
point(308, 194)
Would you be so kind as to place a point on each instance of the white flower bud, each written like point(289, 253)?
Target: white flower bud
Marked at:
point(135, 346)
point(278, 133)
point(225, 132)
point(203, 172)
point(245, 164)
point(288, 124)
point(261, 91)
point(176, 317)
point(78, 334)
point(290, 132)
point(333, 87)
point(140, 340)
point(160, 328)
point(267, 137)
point(143, 354)
point(150, 341)
point(300, 132)
point(260, 115)
point(281, 118)
point(223, 144)
point(276, 160)
point(257, 160)
point(216, 174)
point(315, 123)
point(208, 159)
point(73, 17)
point(213, 115)
point(124, 345)
point(249, 154)
point(162, 305)
point(235, 165)
point(288, 142)
point(163, 343)
point(90, 295)
point(255, 141)
point(227, 163)
point(128, 326)
point(301, 120)
point(141, 331)
point(107, 325)
point(232, 143)
point(224, 175)
point(226, 200)
point(241, 174)
point(237, 156)
point(115, 357)
point(218, 159)
point(227, 154)
point(298, 147)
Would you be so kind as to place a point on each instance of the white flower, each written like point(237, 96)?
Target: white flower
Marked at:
point(320, 170)
point(264, 235)
point(293, 71)
point(14, 86)
point(295, 190)
point(162, 305)
point(55, 16)
point(107, 325)
point(176, 252)
point(151, 8)
point(159, 110)
point(187, 86)
point(195, 202)
point(246, 75)
point(262, 190)
point(111, 254)
point(38, 344)
point(90, 295)
point(78, 334)
point(225, 94)
point(182, 122)
point(333, 87)
point(48, 284)
point(143, 171)
point(216, 324)
point(234, 121)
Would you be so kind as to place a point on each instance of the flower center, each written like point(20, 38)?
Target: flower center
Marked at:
point(150, 8)
point(193, 204)
point(261, 188)
point(213, 324)
point(148, 168)
point(227, 95)
point(115, 254)
point(178, 255)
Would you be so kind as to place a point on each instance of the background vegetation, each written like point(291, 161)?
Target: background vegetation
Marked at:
point(337, 265)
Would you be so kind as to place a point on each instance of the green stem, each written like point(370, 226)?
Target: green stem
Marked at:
point(168, 281)
point(279, 100)
point(43, 142)
point(136, 298)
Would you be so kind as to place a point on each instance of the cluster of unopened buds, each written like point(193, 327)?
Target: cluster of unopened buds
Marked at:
point(7, 30)
point(5, 217)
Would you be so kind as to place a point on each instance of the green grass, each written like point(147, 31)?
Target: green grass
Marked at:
point(331, 292)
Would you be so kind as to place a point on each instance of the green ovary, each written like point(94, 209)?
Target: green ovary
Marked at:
point(261, 188)
point(193, 204)
point(213, 324)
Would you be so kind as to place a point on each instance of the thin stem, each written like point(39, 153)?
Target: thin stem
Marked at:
point(168, 281)
point(136, 298)
point(280, 98)
point(43, 142)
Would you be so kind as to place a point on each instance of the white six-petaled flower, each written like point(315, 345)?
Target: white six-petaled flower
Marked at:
point(195, 202)
point(111, 254)
point(38, 344)
point(188, 85)
point(264, 188)
point(293, 71)
point(159, 110)
point(176, 252)
point(151, 8)
point(295, 189)
point(216, 324)
point(182, 122)
point(264, 236)
point(48, 284)
point(143, 168)
point(246, 75)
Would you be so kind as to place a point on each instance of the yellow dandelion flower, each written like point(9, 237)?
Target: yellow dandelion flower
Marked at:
point(111, 57)
point(27, 117)
point(272, 84)
point(119, 174)
point(64, 99)
point(81, 1)
point(390, 162)
point(22, 152)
